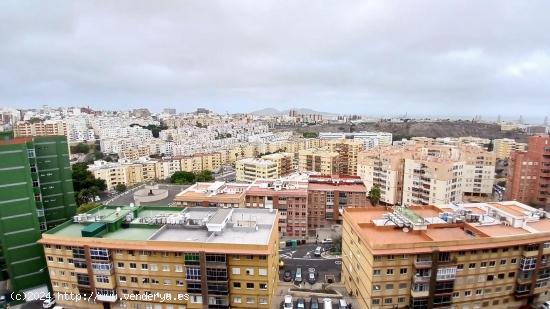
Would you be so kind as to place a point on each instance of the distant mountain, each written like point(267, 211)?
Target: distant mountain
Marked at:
point(276, 112)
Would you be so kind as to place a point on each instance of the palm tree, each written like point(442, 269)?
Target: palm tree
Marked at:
point(374, 195)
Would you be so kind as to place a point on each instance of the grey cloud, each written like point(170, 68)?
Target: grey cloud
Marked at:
point(366, 57)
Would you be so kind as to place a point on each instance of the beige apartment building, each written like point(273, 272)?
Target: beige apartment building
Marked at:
point(383, 166)
point(41, 128)
point(348, 151)
point(213, 194)
point(503, 147)
point(166, 167)
point(201, 162)
point(112, 173)
point(165, 257)
point(317, 160)
point(431, 180)
point(427, 174)
point(460, 256)
point(250, 169)
point(284, 161)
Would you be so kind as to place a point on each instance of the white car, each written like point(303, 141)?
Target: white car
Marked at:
point(545, 305)
point(48, 303)
point(326, 241)
point(288, 302)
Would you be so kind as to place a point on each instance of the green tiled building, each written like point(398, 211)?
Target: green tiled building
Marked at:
point(36, 194)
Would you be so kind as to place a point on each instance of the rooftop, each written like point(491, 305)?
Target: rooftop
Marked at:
point(197, 224)
point(453, 225)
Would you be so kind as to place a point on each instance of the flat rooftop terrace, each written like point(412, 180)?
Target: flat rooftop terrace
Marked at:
point(196, 224)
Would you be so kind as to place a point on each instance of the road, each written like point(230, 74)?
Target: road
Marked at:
point(302, 256)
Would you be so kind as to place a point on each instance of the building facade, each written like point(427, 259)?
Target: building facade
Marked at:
point(328, 196)
point(36, 194)
point(165, 257)
point(477, 255)
point(529, 173)
point(503, 147)
point(317, 160)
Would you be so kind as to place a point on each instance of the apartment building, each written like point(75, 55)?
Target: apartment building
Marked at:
point(40, 128)
point(201, 162)
point(529, 173)
point(479, 170)
point(165, 257)
point(284, 161)
point(492, 255)
point(317, 160)
point(347, 150)
point(135, 152)
point(431, 174)
point(113, 173)
point(383, 167)
point(503, 147)
point(250, 169)
point(36, 194)
point(215, 194)
point(288, 196)
point(166, 167)
point(369, 139)
point(328, 196)
point(432, 180)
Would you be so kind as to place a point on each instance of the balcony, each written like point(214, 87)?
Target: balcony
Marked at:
point(421, 279)
point(422, 264)
point(419, 294)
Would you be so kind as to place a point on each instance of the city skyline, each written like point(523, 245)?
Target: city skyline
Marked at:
point(374, 58)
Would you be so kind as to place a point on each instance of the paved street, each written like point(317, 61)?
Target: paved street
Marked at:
point(302, 256)
point(128, 197)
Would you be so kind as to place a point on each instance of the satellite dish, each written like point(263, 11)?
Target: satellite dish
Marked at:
point(406, 229)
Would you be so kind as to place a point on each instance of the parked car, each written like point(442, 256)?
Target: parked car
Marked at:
point(288, 302)
point(327, 241)
point(342, 304)
point(314, 303)
point(318, 251)
point(545, 305)
point(298, 276)
point(301, 303)
point(311, 278)
point(48, 303)
point(287, 276)
point(327, 303)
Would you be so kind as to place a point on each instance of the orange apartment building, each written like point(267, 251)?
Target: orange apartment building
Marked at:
point(528, 178)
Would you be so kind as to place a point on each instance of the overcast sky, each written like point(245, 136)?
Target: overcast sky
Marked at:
point(365, 57)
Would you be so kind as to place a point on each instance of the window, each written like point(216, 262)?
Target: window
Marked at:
point(133, 265)
point(483, 265)
point(249, 285)
point(50, 258)
point(472, 266)
point(456, 294)
point(237, 285)
point(249, 257)
point(133, 279)
point(236, 257)
point(376, 301)
point(250, 300)
point(467, 293)
point(490, 277)
point(153, 267)
point(165, 267)
point(102, 279)
point(237, 299)
point(263, 301)
point(492, 263)
point(479, 292)
point(501, 276)
point(376, 272)
point(120, 265)
point(196, 299)
point(376, 287)
point(513, 261)
point(402, 271)
point(179, 268)
point(192, 273)
point(250, 271)
point(402, 286)
point(236, 271)
point(388, 300)
point(167, 282)
point(460, 267)
point(179, 282)
point(511, 274)
point(389, 286)
point(263, 286)
point(144, 267)
point(391, 257)
point(502, 262)
point(59, 260)
point(262, 271)
point(401, 300)
point(389, 271)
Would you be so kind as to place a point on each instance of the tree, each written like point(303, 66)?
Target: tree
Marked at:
point(120, 188)
point(81, 148)
point(86, 207)
point(374, 195)
point(204, 176)
point(182, 177)
point(86, 186)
